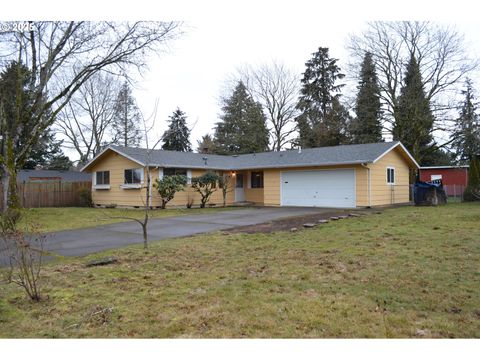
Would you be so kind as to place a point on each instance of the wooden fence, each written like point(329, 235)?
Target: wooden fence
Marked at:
point(48, 193)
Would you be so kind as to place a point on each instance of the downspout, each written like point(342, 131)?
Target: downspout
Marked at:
point(368, 184)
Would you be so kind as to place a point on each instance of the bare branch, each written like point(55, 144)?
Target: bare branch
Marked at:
point(276, 88)
point(439, 50)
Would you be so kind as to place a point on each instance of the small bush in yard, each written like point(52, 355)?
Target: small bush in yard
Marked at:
point(22, 252)
point(168, 186)
point(205, 185)
point(85, 197)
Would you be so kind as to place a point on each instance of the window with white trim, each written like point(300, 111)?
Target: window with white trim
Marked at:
point(133, 176)
point(390, 175)
point(102, 178)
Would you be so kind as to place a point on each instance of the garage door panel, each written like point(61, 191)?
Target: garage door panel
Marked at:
point(326, 188)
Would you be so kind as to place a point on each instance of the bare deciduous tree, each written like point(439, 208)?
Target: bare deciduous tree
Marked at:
point(276, 88)
point(22, 252)
point(440, 51)
point(86, 121)
point(227, 184)
point(51, 50)
point(147, 201)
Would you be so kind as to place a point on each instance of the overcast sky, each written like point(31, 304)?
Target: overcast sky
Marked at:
point(219, 36)
point(193, 75)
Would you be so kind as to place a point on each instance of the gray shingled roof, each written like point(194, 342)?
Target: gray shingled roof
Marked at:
point(332, 155)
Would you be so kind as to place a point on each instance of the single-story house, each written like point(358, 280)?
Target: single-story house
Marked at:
point(345, 176)
point(454, 178)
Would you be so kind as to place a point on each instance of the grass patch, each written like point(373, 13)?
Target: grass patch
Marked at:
point(57, 219)
point(401, 273)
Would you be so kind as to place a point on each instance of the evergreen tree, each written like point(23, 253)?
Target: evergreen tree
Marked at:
point(472, 191)
point(414, 123)
point(126, 119)
point(438, 157)
point(15, 107)
point(242, 128)
point(466, 136)
point(367, 126)
point(177, 136)
point(206, 145)
point(16, 95)
point(332, 130)
point(318, 94)
point(47, 154)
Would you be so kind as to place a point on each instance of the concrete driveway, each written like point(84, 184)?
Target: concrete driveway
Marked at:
point(91, 240)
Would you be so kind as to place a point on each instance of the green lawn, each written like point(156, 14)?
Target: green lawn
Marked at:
point(56, 219)
point(406, 272)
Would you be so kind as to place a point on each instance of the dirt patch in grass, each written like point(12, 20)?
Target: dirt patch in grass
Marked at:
point(296, 222)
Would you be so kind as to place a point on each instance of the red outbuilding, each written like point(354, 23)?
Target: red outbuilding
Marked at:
point(454, 178)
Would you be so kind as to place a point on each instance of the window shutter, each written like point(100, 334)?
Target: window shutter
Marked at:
point(189, 176)
point(94, 178)
point(249, 179)
point(160, 173)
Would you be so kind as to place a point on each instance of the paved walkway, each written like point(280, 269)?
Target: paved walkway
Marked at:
point(91, 240)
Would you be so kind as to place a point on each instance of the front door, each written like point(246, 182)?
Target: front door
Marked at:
point(239, 189)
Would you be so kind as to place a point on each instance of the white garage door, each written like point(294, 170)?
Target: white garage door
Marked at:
point(325, 188)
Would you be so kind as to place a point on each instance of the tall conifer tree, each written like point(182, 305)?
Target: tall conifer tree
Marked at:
point(242, 128)
point(367, 126)
point(177, 137)
point(126, 120)
point(414, 124)
point(466, 136)
point(319, 102)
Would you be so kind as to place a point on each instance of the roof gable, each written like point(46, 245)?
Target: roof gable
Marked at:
point(399, 147)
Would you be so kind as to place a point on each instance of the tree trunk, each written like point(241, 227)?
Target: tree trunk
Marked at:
point(147, 208)
point(145, 234)
point(6, 188)
point(10, 194)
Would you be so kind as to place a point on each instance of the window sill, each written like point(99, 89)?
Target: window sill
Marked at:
point(101, 187)
point(131, 186)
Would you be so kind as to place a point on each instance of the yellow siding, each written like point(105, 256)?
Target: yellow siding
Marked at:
point(383, 193)
point(271, 187)
point(116, 164)
point(361, 177)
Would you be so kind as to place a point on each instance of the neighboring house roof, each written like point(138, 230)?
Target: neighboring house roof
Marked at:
point(444, 167)
point(29, 175)
point(331, 155)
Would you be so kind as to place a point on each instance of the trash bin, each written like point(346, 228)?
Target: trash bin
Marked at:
point(429, 193)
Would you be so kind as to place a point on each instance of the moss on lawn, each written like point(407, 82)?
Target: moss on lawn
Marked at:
point(381, 275)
